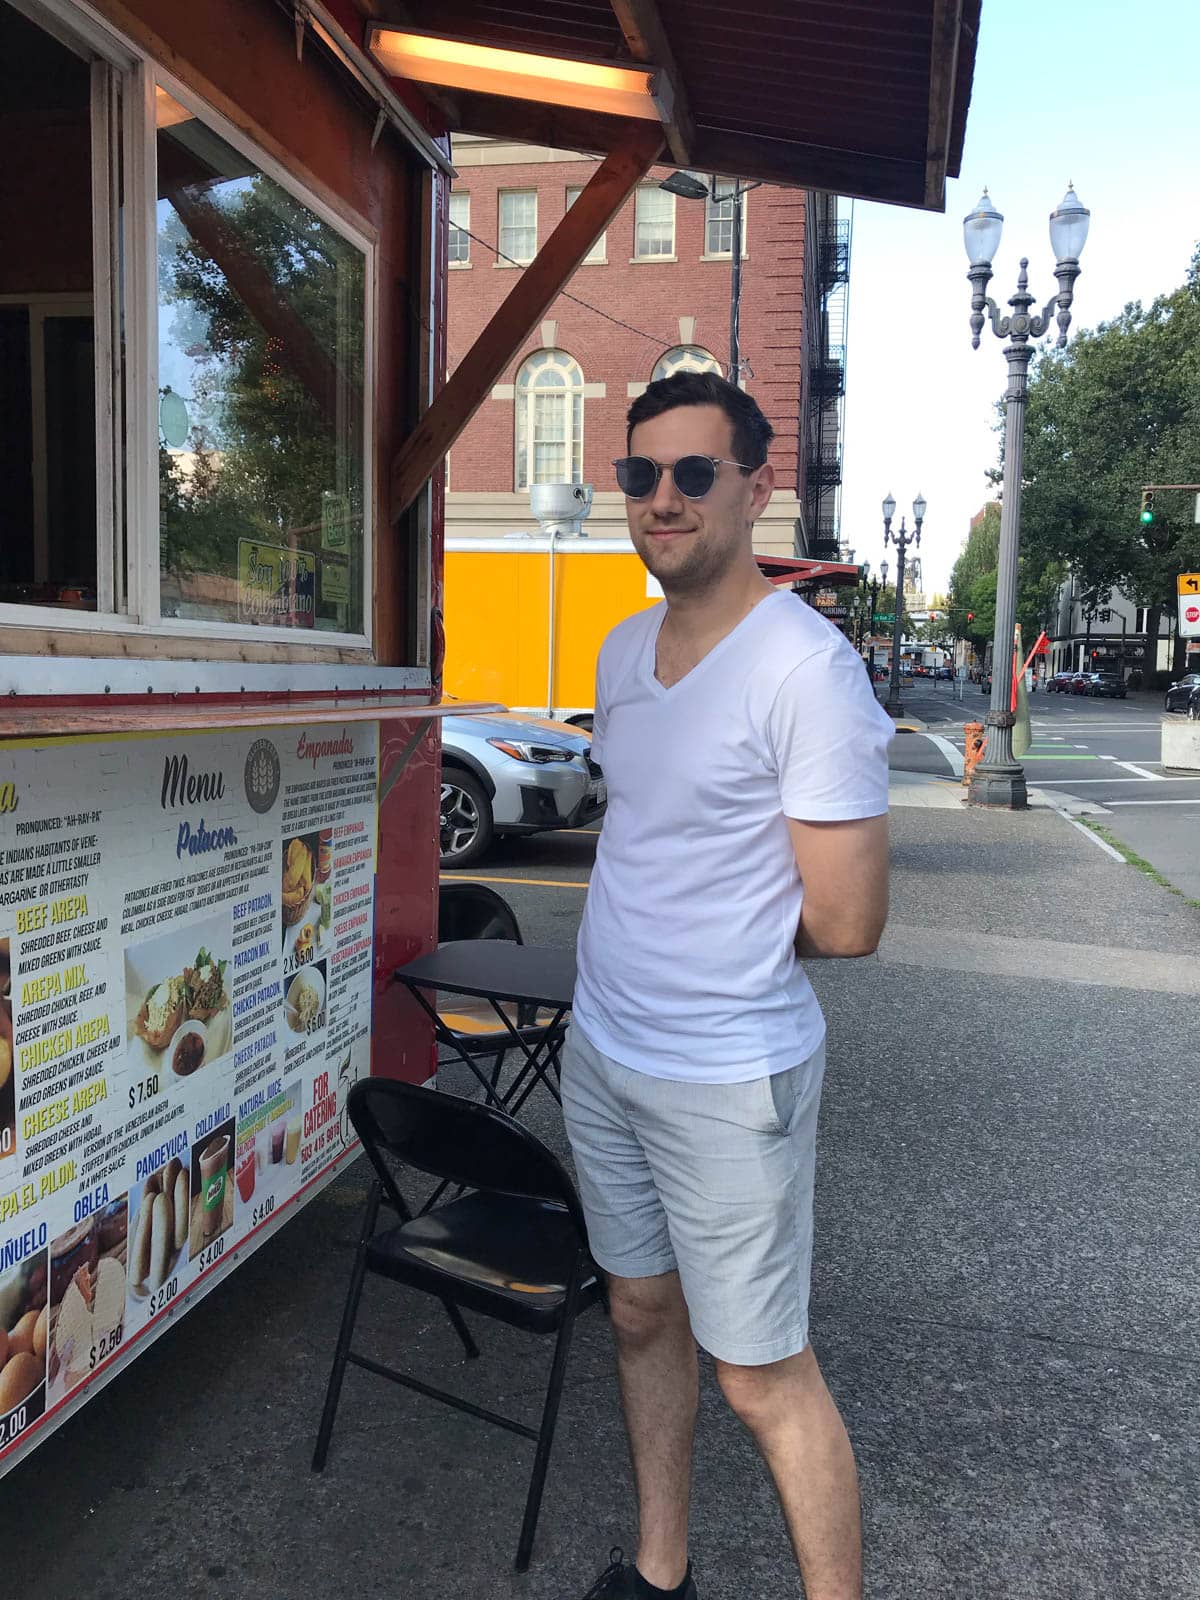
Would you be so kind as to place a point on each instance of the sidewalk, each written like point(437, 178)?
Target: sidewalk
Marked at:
point(1005, 1305)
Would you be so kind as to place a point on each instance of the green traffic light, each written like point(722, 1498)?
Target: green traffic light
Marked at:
point(1147, 516)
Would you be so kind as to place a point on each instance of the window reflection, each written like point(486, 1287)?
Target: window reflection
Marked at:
point(261, 389)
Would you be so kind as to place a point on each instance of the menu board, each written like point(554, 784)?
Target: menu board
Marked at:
point(186, 942)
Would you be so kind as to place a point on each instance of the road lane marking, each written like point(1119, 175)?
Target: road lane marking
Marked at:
point(1154, 802)
point(953, 756)
point(1141, 772)
point(1075, 782)
point(537, 883)
point(1081, 747)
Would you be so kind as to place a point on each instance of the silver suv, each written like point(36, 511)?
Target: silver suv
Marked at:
point(508, 774)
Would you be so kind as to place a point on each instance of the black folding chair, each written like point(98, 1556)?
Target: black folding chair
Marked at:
point(513, 1247)
point(473, 911)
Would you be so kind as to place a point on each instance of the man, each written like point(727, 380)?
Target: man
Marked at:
point(747, 778)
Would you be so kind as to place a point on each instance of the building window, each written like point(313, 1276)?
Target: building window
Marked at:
point(518, 224)
point(654, 224)
point(460, 238)
point(549, 420)
point(718, 223)
point(598, 251)
point(685, 358)
point(261, 341)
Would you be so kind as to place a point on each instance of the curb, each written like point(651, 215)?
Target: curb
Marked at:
point(1069, 804)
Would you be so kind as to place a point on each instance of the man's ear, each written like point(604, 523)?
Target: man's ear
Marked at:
point(761, 490)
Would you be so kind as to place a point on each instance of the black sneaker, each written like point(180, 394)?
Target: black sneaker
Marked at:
point(616, 1582)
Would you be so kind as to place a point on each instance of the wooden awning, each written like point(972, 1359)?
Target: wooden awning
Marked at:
point(866, 98)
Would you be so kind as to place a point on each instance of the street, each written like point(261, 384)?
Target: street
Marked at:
point(1102, 752)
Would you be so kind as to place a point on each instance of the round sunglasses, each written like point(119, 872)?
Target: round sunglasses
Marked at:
point(693, 476)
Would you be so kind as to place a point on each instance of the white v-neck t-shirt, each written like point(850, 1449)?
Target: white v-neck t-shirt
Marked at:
point(687, 966)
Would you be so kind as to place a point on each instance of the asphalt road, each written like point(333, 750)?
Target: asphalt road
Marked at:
point(1103, 751)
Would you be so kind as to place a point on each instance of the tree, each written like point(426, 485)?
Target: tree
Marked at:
point(1118, 408)
point(977, 560)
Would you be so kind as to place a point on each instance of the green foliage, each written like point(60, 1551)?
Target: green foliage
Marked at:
point(973, 581)
point(1118, 408)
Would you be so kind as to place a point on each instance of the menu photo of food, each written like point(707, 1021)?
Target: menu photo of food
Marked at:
point(268, 1152)
point(178, 1008)
point(87, 1296)
point(211, 1188)
point(8, 1083)
point(306, 896)
point(158, 1209)
point(24, 1338)
point(304, 1000)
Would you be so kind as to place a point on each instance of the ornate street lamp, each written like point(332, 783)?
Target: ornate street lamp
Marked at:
point(999, 778)
point(862, 600)
point(893, 705)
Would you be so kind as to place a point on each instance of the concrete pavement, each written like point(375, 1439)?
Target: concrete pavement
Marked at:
point(1005, 1303)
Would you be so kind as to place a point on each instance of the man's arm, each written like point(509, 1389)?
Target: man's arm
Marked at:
point(844, 868)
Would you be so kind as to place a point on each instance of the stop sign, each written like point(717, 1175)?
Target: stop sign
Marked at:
point(1192, 613)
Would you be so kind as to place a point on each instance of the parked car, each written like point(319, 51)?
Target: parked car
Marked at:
point(1059, 683)
point(506, 774)
point(1106, 686)
point(1078, 683)
point(1181, 692)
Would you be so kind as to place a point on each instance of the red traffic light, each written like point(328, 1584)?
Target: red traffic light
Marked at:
point(970, 616)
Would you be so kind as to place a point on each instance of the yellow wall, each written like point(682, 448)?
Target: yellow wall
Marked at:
point(497, 623)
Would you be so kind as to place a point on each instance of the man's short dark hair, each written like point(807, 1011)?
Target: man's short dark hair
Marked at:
point(752, 433)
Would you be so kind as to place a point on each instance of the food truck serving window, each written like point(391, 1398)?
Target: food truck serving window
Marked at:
point(185, 343)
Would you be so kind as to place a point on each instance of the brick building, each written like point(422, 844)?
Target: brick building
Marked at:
point(657, 293)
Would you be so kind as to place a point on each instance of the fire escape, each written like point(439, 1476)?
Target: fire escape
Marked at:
point(828, 290)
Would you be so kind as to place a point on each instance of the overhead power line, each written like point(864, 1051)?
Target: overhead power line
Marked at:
point(663, 344)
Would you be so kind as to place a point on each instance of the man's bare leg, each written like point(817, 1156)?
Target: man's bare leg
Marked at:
point(659, 1373)
point(803, 1440)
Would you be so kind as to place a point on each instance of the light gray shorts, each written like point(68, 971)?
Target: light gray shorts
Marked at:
point(714, 1180)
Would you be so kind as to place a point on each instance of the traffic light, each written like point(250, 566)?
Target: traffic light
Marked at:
point(1147, 505)
point(970, 616)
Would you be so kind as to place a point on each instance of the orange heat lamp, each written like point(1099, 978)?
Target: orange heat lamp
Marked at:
point(641, 92)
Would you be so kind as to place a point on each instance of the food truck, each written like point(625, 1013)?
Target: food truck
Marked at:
point(222, 355)
point(526, 615)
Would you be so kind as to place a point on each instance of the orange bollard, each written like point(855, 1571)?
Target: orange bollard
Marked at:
point(973, 733)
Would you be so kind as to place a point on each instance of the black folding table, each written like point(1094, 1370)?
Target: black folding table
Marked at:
point(501, 972)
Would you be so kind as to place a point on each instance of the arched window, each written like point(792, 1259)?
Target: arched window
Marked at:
point(685, 358)
point(549, 407)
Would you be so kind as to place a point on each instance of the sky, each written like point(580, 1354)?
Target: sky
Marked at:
point(1102, 95)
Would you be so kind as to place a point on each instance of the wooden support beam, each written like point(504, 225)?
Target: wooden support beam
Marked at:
point(528, 301)
point(646, 40)
point(943, 78)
